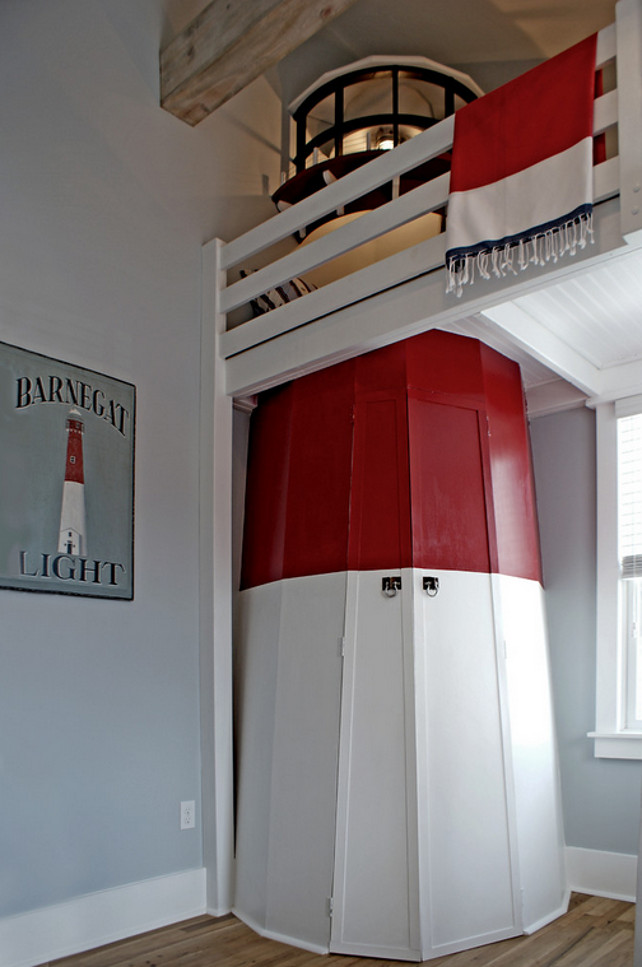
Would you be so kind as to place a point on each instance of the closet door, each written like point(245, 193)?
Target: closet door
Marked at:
point(375, 882)
point(288, 698)
point(468, 870)
point(469, 877)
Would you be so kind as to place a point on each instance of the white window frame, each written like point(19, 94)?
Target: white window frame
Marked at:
point(612, 738)
point(632, 610)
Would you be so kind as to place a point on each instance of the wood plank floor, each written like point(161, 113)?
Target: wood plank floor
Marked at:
point(593, 933)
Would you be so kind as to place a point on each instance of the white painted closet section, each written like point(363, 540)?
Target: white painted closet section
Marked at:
point(448, 831)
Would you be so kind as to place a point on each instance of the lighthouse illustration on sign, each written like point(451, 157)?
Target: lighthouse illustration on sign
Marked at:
point(72, 537)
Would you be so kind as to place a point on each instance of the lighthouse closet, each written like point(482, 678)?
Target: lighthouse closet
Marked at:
point(397, 781)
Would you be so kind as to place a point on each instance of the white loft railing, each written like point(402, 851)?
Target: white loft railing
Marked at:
point(425, 258)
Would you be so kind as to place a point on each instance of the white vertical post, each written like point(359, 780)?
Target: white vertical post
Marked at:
point(637, 955)
point(215, 594)
point(628, 25)
point(608, 697)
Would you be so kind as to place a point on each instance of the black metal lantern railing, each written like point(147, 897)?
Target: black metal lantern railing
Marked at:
point(363, 109)
point(392, 121)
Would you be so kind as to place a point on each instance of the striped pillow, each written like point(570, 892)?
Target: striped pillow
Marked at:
point(280, 295)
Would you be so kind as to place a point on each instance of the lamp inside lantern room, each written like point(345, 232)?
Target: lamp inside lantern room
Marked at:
point(351, 116)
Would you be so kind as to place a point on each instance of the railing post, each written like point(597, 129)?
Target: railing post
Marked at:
point(338, 122)
point(628, 25)
point(215, 593)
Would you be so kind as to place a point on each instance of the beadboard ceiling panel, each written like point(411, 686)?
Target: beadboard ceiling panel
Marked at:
point(598, 313)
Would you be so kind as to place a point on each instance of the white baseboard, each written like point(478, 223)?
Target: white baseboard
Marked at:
point(90, 921)
point(280, 937)
point(99, 918)
point(600, 873)
point(550, 917)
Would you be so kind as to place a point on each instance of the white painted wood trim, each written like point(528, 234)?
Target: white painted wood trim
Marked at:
point(617, 745)
point(496, 587)
point(336, 296)
point(545, 346)
point(388, 273)
point(374, 224)
point(344, 856)
point(605, 111)
point(344, 763)
point(608, 687)
point(601, 873)
point(379, 953)
point(606, 48)
point(553, 397)
point(562, 909)
point(385, 274)
point(611, 740)
point(470, 944)
point(100, 918)
point(621, 380)
point(606, 180)
point(628, 26)
point(409, 206)
point(429, 144)
point(279, 937)
point(371, 225)
point(215, 594)
point(409, 581)
point(398, 313)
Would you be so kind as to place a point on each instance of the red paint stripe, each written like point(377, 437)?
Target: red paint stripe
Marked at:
point(413, 455)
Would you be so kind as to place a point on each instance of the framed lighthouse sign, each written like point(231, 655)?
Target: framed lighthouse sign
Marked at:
point(66, 477)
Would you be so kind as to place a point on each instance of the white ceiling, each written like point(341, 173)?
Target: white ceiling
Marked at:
point(596, 319)
point(492, 40)
point(598, 312)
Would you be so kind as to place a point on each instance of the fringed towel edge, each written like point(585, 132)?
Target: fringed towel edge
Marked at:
point(537, 246)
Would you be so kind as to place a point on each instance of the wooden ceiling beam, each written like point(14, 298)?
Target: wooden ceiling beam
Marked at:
point(229, 44)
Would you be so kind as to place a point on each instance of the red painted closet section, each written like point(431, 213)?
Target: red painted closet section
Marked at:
point(415, 455)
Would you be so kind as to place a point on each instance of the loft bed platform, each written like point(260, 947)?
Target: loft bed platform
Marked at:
point(405, 293)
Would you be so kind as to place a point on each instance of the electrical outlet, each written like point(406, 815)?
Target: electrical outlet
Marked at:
point(188, 814)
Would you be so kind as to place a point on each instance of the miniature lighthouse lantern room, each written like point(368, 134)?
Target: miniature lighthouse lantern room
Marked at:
point(354, 114)
point(72, 535)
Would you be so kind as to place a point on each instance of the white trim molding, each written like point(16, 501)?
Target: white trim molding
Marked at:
point(617, 745)
point(262, 931)
point(100, 918)
point(601, 873)
point(612, 739)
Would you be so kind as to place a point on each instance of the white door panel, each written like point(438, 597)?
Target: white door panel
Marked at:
point(469, 872)
point(373, 895)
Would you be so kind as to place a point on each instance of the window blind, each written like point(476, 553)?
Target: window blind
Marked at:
point(630, 495)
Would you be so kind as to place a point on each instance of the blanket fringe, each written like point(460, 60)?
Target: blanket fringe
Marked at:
point(501, 260)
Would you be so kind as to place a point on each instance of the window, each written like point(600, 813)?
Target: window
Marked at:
point(629, 472)
point(618, 731)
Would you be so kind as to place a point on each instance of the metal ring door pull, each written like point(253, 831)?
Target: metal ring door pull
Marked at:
point(430, 585)
point(390, 586)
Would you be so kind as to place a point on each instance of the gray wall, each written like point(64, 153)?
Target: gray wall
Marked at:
point(601, 797)
point(105, 201)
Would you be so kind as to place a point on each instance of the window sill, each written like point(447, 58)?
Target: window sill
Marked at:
point(617, 745)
